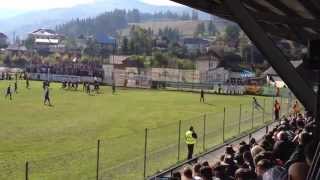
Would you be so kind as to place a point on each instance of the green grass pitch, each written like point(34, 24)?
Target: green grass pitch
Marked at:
point(60, 141)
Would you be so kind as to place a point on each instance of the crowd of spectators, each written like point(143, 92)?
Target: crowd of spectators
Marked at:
point(68, 68)
point(284, 153)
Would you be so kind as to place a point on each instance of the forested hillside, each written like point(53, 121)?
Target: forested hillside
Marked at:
point(110, 22)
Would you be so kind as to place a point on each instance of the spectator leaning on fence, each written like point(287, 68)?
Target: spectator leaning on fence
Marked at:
point(191, 140)
point(284, 153)
point(276, 110)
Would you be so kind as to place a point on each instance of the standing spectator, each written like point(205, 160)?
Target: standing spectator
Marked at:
point(277, 110)
point(296, 109)
point(191, 139)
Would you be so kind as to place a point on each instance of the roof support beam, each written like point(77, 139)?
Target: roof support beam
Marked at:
point(295, 28)
point(278, 61)
point(311, 7)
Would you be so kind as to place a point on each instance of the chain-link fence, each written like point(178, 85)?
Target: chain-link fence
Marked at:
point(144, 153)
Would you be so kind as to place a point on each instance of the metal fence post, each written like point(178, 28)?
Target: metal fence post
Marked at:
point(145, 153)
point(264, 110)
point(179, 140)
point(204, 133)
point(289, 105)
point(223, 123)
point(252, 115)
point(98, 158)
point(240, 114)
point(27, 170)
point(272, 110)
point(280, 112)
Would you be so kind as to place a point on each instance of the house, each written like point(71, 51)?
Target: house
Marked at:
point(223, 74)
point(195, 45)
point(161, 43)
point(46, 40)
point(16, 48)
point(3, 40)
point(273, 78)
point(106, 41)
point(207, 62)
point(117, 60)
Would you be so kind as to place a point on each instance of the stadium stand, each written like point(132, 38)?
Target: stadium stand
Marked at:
point(285, 151)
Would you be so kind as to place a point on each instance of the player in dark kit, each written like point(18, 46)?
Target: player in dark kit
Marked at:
point(256, 104)
point(47, 96)
point(202, 96)
point(16, 87)
point(27, 83)
point(113, 88)
point(9, 92)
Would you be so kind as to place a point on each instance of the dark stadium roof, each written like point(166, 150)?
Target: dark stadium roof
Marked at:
point(296, 20)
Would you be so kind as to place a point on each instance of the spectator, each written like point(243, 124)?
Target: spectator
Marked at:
point(248, 160)
point(298, 171)
point(298, 155)
point(187, 174)
point(244, 174)
point(196, 172)
point(263, 166)
point(206, 173)
point(176, 176)
point(286, 152)
point(283, 148)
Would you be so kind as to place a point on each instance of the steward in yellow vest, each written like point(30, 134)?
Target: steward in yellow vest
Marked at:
point(191, 139)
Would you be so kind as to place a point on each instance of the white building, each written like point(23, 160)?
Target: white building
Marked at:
point(47, 40)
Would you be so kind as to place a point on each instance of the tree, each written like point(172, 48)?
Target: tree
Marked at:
point(160, 60)
point(125, 45)
point(232, 32)
point(195, 15)
point(135, 16)
point(185, 16)
point(212, 29)
point(28, 43)
point(201, 28)
point(7, 61)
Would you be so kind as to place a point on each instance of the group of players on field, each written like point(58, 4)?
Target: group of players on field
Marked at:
point(88, 87)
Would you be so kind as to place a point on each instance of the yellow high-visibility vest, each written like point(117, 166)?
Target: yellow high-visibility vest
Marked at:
point(189, 138)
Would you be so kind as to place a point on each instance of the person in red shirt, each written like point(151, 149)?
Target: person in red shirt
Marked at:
point(276, 110)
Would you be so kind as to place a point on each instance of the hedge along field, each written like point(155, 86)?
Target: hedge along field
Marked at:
point(60, 142)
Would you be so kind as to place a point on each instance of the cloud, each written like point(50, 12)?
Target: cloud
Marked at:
point(40, 4)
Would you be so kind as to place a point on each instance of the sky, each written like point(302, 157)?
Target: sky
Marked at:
point(27, 5)
point(40, 4)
